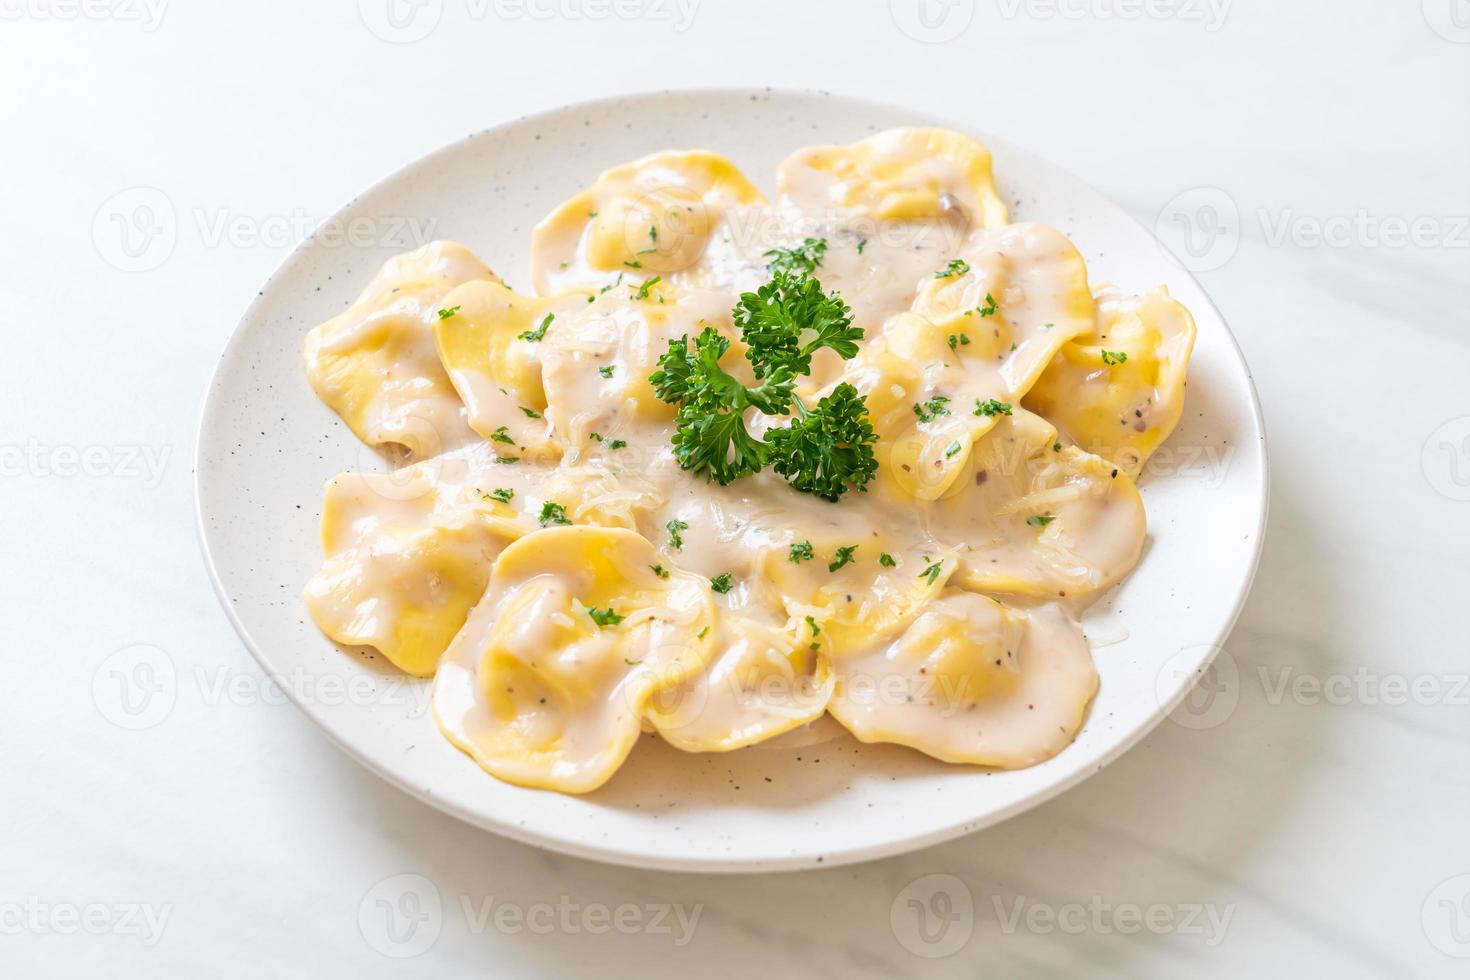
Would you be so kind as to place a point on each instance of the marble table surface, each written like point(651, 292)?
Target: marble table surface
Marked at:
point(1311, 160)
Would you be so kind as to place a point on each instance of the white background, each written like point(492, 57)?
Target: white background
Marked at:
point(1325, 824)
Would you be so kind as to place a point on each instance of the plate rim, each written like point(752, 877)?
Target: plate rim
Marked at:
point(722, 865)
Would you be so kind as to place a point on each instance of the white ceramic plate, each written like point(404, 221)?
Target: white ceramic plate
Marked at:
point(266, 445)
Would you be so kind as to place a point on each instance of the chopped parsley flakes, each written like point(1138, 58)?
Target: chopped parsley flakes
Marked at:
point(540, 332)
point(553, 513)
point(605, 617)
point(933, 408)
point(991, 407)
point(802, 259)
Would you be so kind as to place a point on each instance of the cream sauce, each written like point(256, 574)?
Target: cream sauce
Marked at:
point(983, 537)
point(376, 365)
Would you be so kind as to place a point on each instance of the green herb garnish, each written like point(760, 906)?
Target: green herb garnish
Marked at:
point(933, 408)
point(553, 513)
point(540, 332)
point(604, 617)
point(991, 407)
point(825, 450)
point(803, 259)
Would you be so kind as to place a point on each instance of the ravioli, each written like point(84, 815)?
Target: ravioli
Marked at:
point(375, 364)
point(651, 217)
point(548, 683)
point(855, 592)
point(1015, 297)
point(981, 330)
point(569, 584)
point(897, 175)
point(972, 681)
point(487, 341)
point(926, 405)
point(762, 682)
point(596, 363)
point(407, 555)
point(1118, 391)
point(1034, 517)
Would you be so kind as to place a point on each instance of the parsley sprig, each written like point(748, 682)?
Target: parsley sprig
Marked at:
point(825, 450)
point(788, 320)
